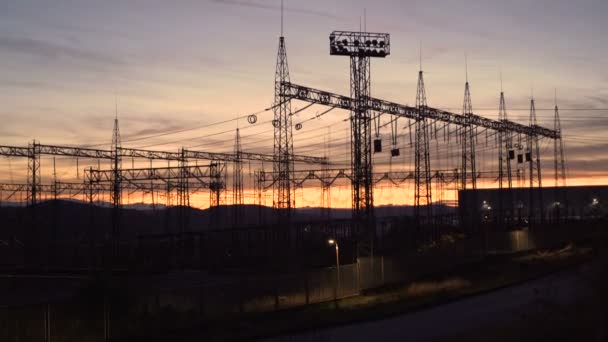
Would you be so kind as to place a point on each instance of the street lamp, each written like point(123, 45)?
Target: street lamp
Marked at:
point(335, 242)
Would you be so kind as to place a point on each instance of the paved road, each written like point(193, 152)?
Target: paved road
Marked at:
point(463, 315)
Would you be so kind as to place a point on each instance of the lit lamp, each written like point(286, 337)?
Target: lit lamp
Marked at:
point(335, 242)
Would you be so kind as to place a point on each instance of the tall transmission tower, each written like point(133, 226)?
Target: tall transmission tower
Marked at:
point(237, 172)
point(283, 140)
point(116, 186)
point(535, 170)
point(468, 139)
point(505, 155)
point(422, 174)
point(558, 151)
point(116, 162)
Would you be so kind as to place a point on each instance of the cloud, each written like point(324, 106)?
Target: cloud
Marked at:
point(586, 150)
point(51, 51)
point(598, 99)
point(581, 165)
point(25, 84)
point(253, 4)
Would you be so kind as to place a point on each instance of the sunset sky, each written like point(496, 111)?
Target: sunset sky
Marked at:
point(186, 65)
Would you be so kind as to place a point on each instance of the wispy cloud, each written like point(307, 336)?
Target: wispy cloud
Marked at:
point(255, 4)
point(52, 51)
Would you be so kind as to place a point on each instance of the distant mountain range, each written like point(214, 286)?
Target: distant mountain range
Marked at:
point(72, 219)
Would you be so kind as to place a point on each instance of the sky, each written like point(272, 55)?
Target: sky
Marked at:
point(67, 68)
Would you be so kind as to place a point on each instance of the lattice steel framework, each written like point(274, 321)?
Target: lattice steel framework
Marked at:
point(326, 98)
point(116, 190)
point(237, 172)
point(468, 136)
point(558, 152)
point(534, 167)
point(422, 173)
point(505, 155)
point(34, 150)
point(283, 140)
point(359, 47)
point(33, 169)
point(116, 164)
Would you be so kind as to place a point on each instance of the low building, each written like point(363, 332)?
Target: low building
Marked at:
point(522, 207)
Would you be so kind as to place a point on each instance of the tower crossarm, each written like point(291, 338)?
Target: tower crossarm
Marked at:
point(142, 174)
point(231, 157)
point(14, 151)
point(82, 152)
point(317, 96)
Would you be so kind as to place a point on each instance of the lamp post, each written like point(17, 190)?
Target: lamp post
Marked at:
point(335, 242)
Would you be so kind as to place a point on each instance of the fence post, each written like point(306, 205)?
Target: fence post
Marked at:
point(276, 293)
point(358, 276)
point(201, 301)
point(106, 319)
point(336, 288)
point(242, 295)
point(307, 288)
point(47, 323)
point(382, 268)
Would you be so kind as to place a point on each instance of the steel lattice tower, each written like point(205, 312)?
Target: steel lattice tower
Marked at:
point(183, 193)
point(422, 173)
point(237, 172)
point(283, 141)
point(558, 151)
point(34, 176)
point(360, 47)
point(535, 170)
point(505, 154)
point(116, 188)
point(116, 163)
point(361, 152)
point(468, 141)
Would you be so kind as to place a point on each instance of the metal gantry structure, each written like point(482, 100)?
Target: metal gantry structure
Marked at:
point(34, 150)
point(360, 46)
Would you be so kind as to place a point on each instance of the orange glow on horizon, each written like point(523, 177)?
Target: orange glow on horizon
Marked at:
point(384, 195)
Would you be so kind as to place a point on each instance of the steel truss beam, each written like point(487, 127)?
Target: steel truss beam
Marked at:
point(330, 176)
point(81, 152)
point(316, 96)
point(156, 173)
